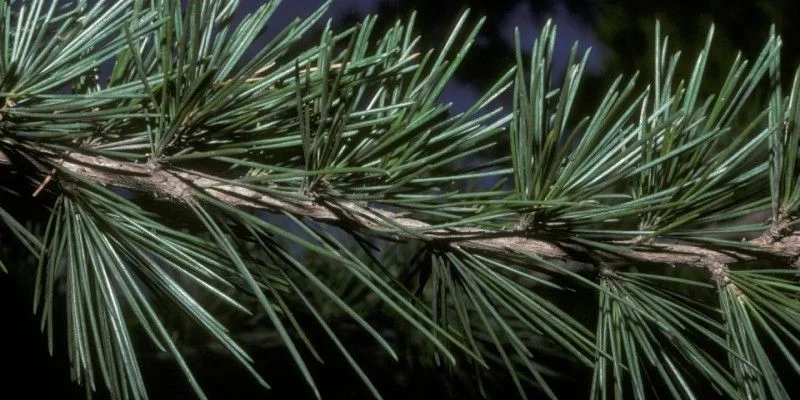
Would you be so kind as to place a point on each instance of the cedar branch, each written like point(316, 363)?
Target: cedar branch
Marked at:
point(181, 185)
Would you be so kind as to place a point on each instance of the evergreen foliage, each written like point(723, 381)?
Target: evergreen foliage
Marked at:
point(649, 245)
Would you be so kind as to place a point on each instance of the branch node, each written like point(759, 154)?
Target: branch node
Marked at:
point(778, 229)
point(719, 271)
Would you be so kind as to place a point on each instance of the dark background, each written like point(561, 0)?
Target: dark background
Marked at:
point(621, 35)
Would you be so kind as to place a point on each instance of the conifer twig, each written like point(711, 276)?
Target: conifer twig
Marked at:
point(180, 185)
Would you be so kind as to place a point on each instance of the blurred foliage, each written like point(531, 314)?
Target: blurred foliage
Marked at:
point(624, 27)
